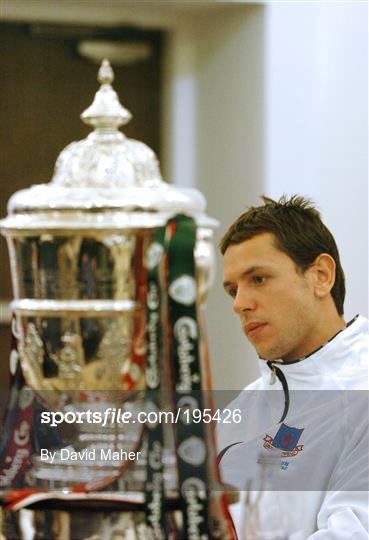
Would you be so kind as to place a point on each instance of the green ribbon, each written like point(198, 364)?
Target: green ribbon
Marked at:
point(190, 437)
point(154, 494)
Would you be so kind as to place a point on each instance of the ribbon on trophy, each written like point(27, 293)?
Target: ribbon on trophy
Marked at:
point(184, 349)
point(133, 378)
point(154, 494)
point(176, 352)
point(197, 470)
point(16, 445)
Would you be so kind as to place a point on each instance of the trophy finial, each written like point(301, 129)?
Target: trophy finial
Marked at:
point(106, 110)
point(106, 73)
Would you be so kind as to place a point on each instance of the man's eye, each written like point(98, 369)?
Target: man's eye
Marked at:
point(232, 292)
point(258, 279)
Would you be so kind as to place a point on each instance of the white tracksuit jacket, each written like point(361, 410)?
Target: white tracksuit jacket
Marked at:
point(313, 435)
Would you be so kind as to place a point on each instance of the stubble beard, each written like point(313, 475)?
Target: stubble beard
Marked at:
point(283, 350)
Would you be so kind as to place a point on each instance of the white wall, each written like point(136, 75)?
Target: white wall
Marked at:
point(230, 158)
point(179, 106)
point(316, 67)
point(282, 107)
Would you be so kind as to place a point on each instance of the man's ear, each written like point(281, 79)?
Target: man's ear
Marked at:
point(324, 269)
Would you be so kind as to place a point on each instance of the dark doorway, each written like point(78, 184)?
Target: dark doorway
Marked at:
point(45, 85)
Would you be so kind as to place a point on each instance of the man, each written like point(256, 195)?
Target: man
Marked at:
point(300, 455)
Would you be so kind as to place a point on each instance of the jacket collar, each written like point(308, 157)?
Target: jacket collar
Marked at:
point(313, 369)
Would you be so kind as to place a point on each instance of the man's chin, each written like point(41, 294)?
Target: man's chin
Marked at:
point(266, 359)
point(268, 356)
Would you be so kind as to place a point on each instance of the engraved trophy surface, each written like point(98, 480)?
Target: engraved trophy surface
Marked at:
point(78, 247)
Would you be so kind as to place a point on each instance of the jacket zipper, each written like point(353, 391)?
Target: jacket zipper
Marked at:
point(276, 372)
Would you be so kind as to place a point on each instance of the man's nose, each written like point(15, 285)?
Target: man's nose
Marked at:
point(243, 301)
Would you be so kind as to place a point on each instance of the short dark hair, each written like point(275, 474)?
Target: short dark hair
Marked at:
point(299, 232)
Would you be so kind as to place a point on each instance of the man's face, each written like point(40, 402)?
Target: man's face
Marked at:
point(274, 300)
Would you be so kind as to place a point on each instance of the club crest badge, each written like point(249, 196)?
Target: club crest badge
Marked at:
point(286, 440)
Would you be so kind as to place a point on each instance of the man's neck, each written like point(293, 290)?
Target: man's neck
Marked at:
point(324, 330)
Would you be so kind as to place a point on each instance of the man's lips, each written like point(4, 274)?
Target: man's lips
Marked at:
point(253, 328)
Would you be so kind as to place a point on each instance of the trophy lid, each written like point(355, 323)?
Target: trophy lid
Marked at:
point(105, 180)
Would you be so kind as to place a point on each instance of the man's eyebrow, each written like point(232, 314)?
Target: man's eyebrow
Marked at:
point(247, 272)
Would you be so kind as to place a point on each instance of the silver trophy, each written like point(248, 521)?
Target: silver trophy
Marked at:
point(76, 248)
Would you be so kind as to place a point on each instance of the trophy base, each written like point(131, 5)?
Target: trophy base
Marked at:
point(66, 516)
point(46, 524)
